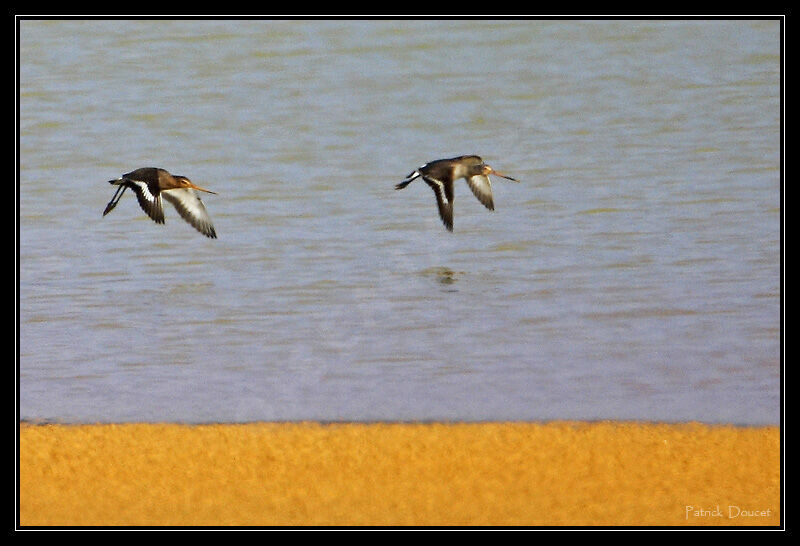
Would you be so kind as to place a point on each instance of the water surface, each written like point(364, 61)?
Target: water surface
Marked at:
point(633, 273)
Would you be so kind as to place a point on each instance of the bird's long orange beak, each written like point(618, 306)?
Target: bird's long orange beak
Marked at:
point(192, 185)
point(497, 173)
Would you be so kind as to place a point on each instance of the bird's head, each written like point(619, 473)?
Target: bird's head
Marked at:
point(186, 183)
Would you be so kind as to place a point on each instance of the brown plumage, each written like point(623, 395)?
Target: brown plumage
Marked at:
point(440, 174)
point(150, 183)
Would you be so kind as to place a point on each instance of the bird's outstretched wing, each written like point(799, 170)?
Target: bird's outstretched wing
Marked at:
point(444, 199)
point(481, 186)
point(191, 208)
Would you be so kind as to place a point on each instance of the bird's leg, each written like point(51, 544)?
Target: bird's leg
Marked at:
point(410, 178)
point(114, 200)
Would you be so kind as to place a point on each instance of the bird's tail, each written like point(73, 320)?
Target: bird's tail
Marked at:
point(409, 179)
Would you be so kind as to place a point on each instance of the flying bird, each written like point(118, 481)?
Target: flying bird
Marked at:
point(151, 183)
point(440, 174)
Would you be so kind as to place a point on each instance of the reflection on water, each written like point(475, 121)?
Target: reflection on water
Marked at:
point(633, 274)
point(444, 275)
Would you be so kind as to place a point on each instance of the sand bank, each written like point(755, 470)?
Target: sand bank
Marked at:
point(495, 474)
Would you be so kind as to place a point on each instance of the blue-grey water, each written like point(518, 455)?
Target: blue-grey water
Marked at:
point(633, 273)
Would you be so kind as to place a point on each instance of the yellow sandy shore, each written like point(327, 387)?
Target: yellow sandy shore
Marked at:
point(496, 474)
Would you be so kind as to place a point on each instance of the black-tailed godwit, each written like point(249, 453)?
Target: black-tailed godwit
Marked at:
point(440, 174)
point(151, 183)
